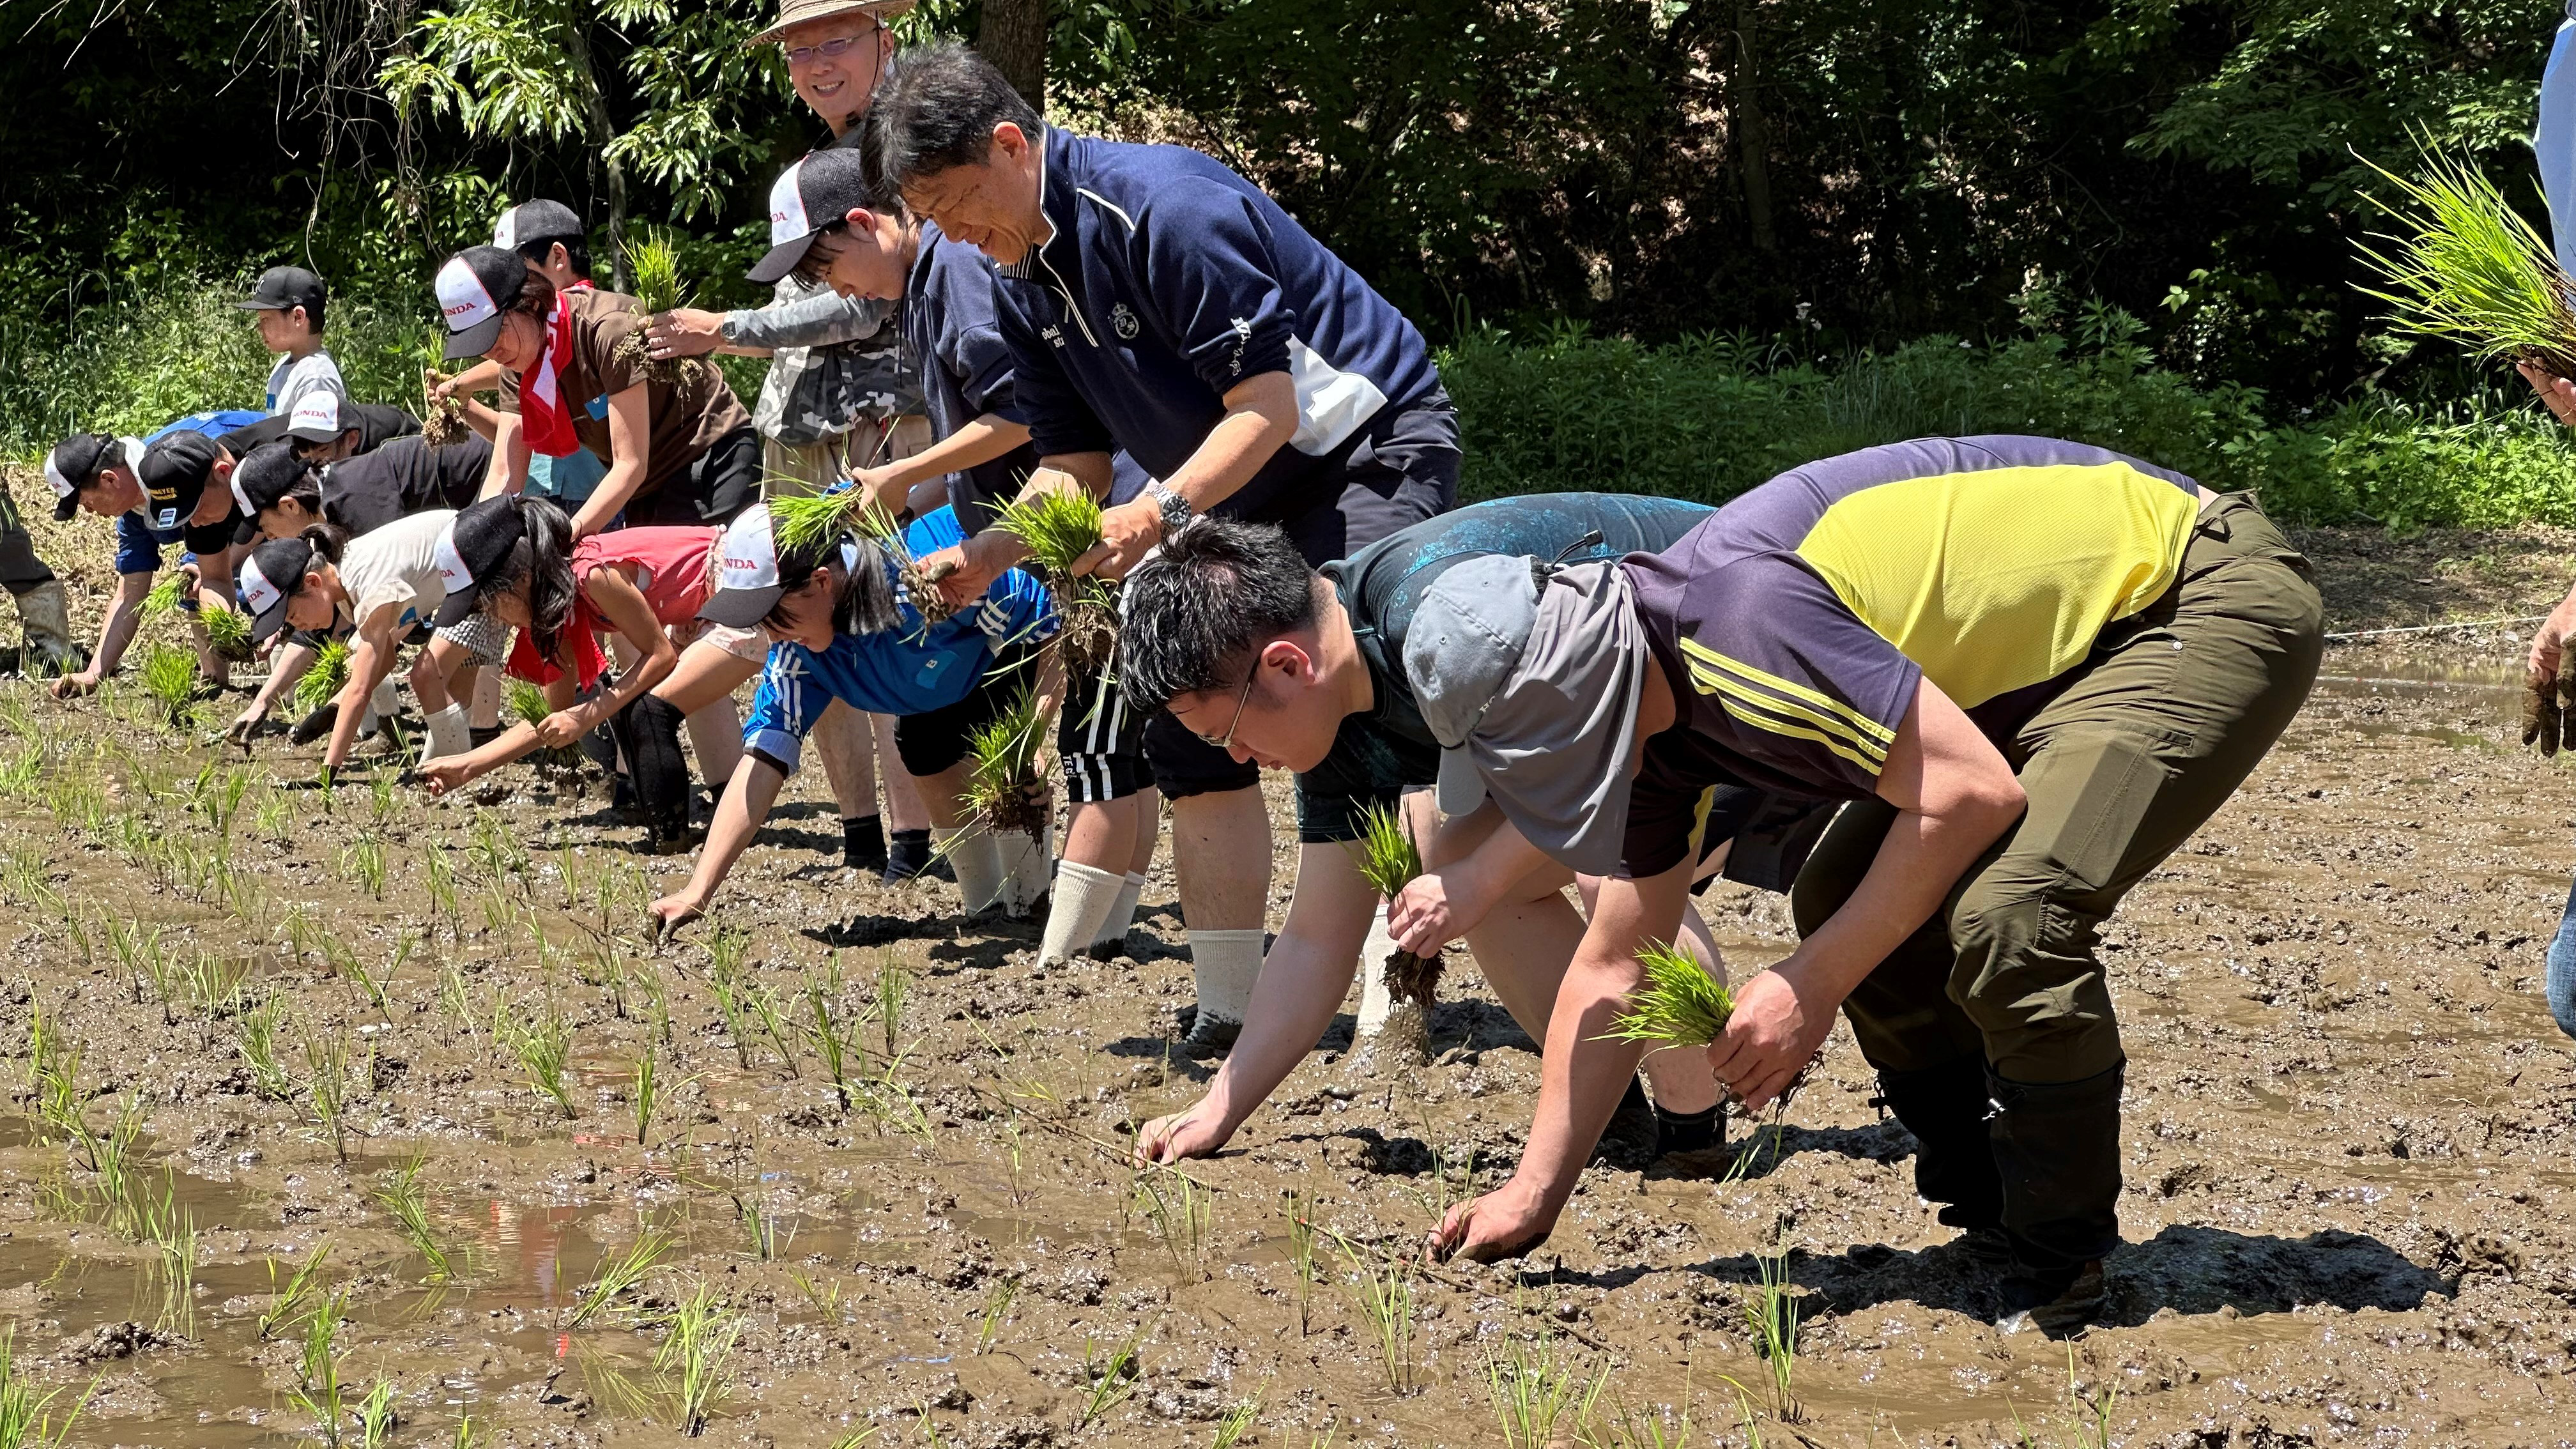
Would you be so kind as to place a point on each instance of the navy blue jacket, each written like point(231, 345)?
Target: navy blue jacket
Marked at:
point(1167, 281)
point(952, 329)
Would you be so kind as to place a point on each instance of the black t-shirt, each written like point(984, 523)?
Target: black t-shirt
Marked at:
point(405, 476)
point(1378, 755)
point(377, 426)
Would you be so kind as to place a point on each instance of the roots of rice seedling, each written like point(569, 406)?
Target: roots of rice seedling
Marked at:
point(1086, 627)
point(1414, 979)
point(676, 372)
point(444, 423)
point(921, 586)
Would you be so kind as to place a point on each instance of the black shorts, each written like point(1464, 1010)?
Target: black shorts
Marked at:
point(723, 481)
point(1404, 472)
point(1102, 744)
point(929, 744)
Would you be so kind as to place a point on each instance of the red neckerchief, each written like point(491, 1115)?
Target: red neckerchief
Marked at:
point(543, 413)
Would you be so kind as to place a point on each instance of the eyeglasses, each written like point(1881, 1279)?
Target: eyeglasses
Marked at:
point(1240, 701)
point(832, 49)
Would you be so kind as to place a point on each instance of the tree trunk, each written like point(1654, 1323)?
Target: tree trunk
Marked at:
point(1752, 133)
point(594, 110)
point(1014, 39)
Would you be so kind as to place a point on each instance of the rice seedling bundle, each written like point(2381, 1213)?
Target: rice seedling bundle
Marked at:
point(798, 521)
point(1003, 791)
point(329, 675)
point(1059, 527)
point(164, 598)
point(1679, 1004)
point(1389, 861)
point(2466, 267)
point(653, 277)
point(527, 705)
point(228, 635)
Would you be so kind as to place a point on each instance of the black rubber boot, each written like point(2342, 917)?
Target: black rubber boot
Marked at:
point(1945, 1107)
point(648, 734)
point(2057, 1149)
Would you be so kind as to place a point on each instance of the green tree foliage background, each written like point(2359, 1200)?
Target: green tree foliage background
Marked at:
point(1832, 175)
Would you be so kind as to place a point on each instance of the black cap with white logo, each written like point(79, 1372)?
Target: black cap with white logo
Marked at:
point(537, 221)
point(75, 462)
point(472, 551)
point(175, 472)
point(282, 288)
point(475, 289)
point(816, 194)
point(270, 576)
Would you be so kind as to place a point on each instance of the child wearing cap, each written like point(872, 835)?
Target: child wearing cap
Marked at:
point(305, 387)
point(828, 226)
point(843, 632)
point(678, 452)
point(379, 587)
point(281, 492)
point(633, 583)
point(171, 487)
point(551, 237)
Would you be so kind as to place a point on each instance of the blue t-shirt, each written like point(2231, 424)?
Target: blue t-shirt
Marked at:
point(1167, 281)
point(913, 668)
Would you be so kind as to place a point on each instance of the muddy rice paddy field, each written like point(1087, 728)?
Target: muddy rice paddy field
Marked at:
point(349, 1097)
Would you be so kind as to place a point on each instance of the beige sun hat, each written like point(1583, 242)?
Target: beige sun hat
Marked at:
point(792, 13)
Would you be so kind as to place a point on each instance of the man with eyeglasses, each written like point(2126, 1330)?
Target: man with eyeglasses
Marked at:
point(1158, 304)
point(838, 396)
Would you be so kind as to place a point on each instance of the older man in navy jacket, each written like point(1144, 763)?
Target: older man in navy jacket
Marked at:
point(1157, 303)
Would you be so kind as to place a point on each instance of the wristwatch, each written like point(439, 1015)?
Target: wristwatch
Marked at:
point(1175, 509)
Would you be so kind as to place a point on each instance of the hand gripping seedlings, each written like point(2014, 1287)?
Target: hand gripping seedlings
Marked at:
point(442, 419)
point(527, 704)
point(653, 274)
point(1390, 860)
point(1058, 528)
point(799, 521)
point(2465, 266)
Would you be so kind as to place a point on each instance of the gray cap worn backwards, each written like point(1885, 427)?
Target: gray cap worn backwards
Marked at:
point(1529, 678)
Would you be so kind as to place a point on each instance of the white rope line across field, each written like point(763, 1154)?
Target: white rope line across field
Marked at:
point(2430, 628)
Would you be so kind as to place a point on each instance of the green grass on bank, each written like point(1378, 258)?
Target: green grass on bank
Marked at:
point(1704, 418)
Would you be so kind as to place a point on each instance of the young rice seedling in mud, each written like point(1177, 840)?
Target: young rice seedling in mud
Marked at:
point(1533, 1386)
point(326, 1059)
point(362, 864)
point(27, 1417)
point(317, 1388)
point(255, 1034)
point(1300, 1208)
point(399, 1192)
point(1178, 1213)
point(1238, 1421)
point(763, 1005)
point(2090, 1414)
point(830, 1041)
point(998, 1297)
point(620, 1275)
point(892, 980)
point(1382, 1286)
point(693, 1360)
point(1059, 527)
point(1111, 1380)
point(762, 1224)
point(376, 1416)
point(1771, 1320)
point(543, 1045)
point(288, 1303)
point(172, 1231)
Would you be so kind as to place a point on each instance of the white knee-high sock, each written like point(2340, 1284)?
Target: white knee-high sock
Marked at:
point(1084, 894)
point(972, 853)
point(1225, 965)
point(1373, 957)
point(1028, 859)
point(1122, 913)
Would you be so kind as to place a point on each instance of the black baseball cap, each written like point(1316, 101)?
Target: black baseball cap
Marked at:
point(809, 198)
point(174, 472)
point(281, 288)
point(264, 475)
point(472, 551)
point(74, 463)
point(272, 574)
point(530, 222)
point(476, 289)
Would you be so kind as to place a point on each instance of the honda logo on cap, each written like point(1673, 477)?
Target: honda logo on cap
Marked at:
point(787, 206)
point(462, 296)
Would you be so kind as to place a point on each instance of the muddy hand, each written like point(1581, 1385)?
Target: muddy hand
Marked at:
point(2543, 710)
point(672, 912)
point(442, 775)
point(1501, 1224)
point(1197, 1132)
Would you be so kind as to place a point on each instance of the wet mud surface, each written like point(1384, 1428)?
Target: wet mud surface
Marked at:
point(2347, 1137)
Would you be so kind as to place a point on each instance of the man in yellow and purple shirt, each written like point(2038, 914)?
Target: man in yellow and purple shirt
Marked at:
point(2033, 668)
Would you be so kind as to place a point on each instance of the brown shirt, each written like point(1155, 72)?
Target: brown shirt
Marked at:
point(687, 417)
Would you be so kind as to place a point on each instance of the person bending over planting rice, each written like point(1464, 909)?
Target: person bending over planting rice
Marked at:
point(637, 584)
point(677, 452)
point(1159, 304)
point(2033, 668)
point(829, 227)
point(843, 633)
point(172, 487)
point(380, 587)
point(1352, 678)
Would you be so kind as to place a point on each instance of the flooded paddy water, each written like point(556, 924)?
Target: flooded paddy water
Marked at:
point(398, 1041)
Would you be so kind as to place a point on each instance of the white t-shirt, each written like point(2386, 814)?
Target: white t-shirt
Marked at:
point(397, 564)
point(308, 392)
